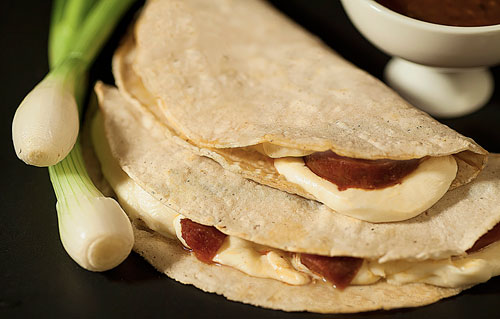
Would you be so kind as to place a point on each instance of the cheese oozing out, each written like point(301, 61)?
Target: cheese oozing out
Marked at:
point(253, 259)
point(265, 262)
point(452, 272)
point(417, 192)
point(259, 261)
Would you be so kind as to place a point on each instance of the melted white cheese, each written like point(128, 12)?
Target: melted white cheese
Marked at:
point(417, 192)
point(365, 276)
point(252, 259)
point(259, 261)
point(452, 272)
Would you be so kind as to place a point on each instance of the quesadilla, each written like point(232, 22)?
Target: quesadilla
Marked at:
point(265, 99)
point(273, 246)
point(256, 163)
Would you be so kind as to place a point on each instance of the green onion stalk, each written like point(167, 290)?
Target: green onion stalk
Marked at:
point(94, 230)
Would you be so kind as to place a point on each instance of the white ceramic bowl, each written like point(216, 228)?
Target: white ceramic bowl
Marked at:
point(422, 42)
point(444, 57)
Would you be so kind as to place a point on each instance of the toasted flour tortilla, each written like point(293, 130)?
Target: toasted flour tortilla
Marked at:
point(224, 94)
point(232, 74)
point(203, 191)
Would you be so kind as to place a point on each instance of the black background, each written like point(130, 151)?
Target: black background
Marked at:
point(38, 279)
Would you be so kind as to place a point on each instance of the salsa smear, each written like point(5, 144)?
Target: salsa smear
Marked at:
point(459, 13)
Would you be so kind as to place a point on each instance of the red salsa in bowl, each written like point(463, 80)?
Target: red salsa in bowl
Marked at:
point(459, 13)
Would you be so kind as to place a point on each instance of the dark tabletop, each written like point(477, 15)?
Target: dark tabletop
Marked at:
point(38, 279)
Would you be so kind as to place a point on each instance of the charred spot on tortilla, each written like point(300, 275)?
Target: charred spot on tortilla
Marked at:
point(493, 235)
point(348, 172)
point(340, 271)
point(203, 240)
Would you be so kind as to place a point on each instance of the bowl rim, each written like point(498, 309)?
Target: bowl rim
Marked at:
point(423, 24)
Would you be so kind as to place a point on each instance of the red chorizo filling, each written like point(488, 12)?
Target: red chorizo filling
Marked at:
point(205, 241)
point(348, 172)
point(463, 13)
point(490, 237)
point(340, 271)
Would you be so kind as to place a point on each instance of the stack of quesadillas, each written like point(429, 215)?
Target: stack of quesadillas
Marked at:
point(258, 164)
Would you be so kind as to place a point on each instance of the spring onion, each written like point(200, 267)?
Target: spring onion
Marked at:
point(44, 135)
point(40, 137)
point(94, 229)
point(45, 126)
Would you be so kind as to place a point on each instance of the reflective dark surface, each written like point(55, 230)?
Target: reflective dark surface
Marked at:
point(38, 279)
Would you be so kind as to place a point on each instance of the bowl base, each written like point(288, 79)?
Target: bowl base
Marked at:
point(441, 92)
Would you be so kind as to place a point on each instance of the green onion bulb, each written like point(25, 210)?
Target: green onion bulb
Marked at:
point(94, 231)
point(45, 126)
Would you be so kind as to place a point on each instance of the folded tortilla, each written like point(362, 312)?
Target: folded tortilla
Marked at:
point(203, 191)
point(169, 257)
point(198, 188)
point(393, 125)
point(229, 75)
point(194, 98)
